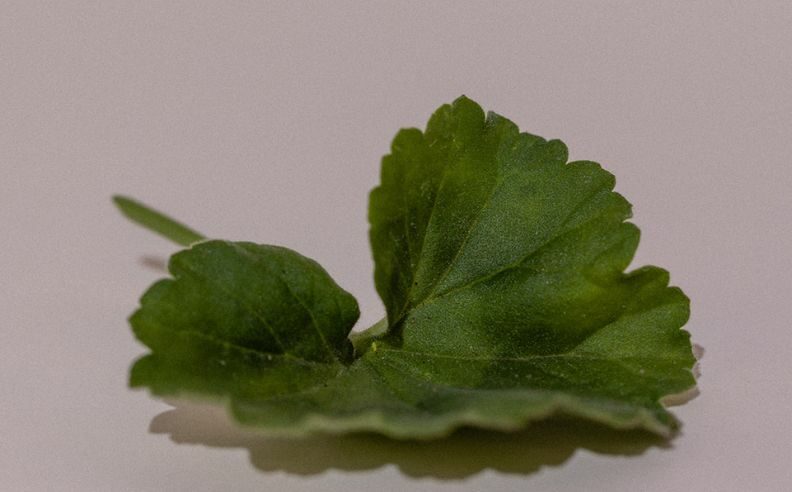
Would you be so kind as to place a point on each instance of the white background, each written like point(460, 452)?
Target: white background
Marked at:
point(266, 122)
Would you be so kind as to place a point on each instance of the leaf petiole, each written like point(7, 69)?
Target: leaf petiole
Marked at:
point(156, 221)
point(362, 340)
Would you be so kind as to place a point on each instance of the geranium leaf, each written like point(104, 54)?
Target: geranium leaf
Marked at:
point(502, 270)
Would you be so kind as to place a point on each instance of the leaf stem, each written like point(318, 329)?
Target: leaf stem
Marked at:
point(156, 221)
point(362, 340)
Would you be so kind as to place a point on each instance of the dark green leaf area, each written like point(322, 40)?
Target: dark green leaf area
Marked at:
point(635, 358)
point(194, 365)
point(473, 201)
point(265, 299)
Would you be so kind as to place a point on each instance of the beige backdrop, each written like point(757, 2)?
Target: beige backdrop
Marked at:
point(266, 121)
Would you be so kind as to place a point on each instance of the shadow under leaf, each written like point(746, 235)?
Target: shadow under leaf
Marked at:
point(464, 453)
point(153, 262)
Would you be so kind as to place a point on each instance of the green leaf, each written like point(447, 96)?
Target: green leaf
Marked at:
point(265, 299)
point(501, 267)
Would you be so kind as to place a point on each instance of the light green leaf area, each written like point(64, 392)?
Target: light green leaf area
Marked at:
point(502, 269)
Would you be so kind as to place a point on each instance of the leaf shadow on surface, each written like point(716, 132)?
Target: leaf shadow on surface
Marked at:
point(465, 453)
point(156, 263)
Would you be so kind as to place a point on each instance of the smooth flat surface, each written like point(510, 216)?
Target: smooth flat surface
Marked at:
point(266, 122)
